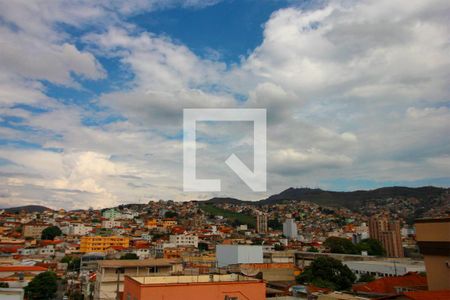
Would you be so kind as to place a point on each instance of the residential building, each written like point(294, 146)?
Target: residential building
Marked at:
point(109, 224)
point(391, 286)
point(169, 223)
point(151, 223)
point(238, 254)
point(112, 214)
point(11, 294)
point(89, 261)
point(33, 230)
point(229, 287)
point(388, 233)
point(111, 273)
point(184, 240)
point(78, 229)
point(384, 268)
point(102, 243)
point(290, 229)
point(261, 222)
point(18, 276)
point(433, 239)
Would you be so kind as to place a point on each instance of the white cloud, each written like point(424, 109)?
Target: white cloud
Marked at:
point(355, 90)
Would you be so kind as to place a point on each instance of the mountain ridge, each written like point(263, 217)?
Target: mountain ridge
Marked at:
point(348, 199)
point(27, 208)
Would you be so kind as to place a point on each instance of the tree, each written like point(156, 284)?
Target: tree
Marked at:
point(66, 259)
point(202, 246)
point(236, 223)
point(275, 224)
point(73, 263)
point(340, 245)
point(312, 249)
point(279, 247)
point(50, 233)
point(372, 246)
point(129, 256)
point(366, 277)
point(42, 287)
point(170, 214)
point(327, 272)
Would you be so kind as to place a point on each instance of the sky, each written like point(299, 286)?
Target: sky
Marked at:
point(92, 95)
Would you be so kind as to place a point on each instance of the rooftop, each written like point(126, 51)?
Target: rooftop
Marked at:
point(193, 279)
point(135, 263)
point(398, 263)
point(388, 285)
point(433, 220)
point(428, 295)
point(22, 269)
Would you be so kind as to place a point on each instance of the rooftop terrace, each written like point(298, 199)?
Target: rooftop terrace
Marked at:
point(192, 279)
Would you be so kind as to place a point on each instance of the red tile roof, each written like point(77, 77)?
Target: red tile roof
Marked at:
point(13, 249)
point(428, 295)
point(22, 269)
point(387, 285)
point(51, 242)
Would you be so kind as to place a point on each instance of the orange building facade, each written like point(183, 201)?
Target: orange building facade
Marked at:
point(201, 287)
point(102, 243)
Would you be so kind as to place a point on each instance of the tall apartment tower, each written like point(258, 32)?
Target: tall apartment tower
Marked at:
point(290, 229)
point(261, 222)
point(388, 233)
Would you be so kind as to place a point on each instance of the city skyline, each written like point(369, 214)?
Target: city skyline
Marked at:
point(92, 96)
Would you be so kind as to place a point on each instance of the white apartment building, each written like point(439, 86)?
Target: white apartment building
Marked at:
point(78, 229)
point(142, 253)
point(108, 224)
point(184, 240)
point(48, 250)
point(290, 229)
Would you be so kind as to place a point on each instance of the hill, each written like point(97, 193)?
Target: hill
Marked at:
point(355, 198)
point(27, 209)
point(223, 200)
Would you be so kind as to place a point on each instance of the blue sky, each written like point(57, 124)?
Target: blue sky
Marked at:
point(91, 96)
point(227, 31)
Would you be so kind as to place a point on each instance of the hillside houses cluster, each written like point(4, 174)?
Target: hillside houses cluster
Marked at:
point(172, 238)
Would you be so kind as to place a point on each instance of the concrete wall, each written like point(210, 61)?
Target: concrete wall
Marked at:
point(238, 254)
point(11, 294)
point(433, 237)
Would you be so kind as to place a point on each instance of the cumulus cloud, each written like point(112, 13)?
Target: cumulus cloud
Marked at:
point(353, 89)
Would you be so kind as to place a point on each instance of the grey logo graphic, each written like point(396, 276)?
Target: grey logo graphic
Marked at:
point(255, 180)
